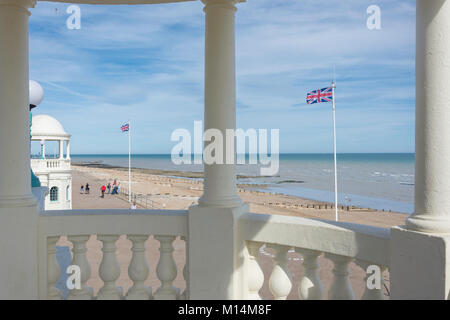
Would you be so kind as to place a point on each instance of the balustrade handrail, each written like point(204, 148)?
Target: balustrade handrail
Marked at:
point(113, 221)
point(362, 242)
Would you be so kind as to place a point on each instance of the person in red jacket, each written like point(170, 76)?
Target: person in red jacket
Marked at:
point(103, 191)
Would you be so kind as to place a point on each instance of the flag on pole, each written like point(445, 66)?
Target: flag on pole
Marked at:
point(320, 95)
point(125, 127)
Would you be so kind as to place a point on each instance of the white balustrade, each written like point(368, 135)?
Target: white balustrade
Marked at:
point(341, 288)
point(53, 271)
point(280, 282)
point(166, 269)
point(79, 259)
point(185, 294)
point(109, 269)
point(255, 273)
point(310, 286)
point(138, 269)
point(375, 293)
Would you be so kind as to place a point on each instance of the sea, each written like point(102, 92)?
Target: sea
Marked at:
point(383, 181)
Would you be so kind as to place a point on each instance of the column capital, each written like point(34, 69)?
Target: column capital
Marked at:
point(228, 4)
point(21, 4)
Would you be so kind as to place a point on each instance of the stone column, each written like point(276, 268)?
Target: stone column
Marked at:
point(61, 149)
point(432, 185)
point(220, 98)
point(68, 150)
point(42, 149)
point(216, 253)
point(420, 253)
point(18, 207)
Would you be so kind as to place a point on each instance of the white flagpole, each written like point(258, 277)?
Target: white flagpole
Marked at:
point(129, 161)
point(336, 217)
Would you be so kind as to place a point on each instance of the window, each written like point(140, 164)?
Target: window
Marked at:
point(54, 194)
point(67, 193)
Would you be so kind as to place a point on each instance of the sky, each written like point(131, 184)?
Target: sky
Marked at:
point(146, 63)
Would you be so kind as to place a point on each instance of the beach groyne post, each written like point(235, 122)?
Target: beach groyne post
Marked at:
point(18, 206)
point(215, 250)
point(420, 252)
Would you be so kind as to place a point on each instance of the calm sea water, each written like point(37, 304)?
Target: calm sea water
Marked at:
point(378, 181)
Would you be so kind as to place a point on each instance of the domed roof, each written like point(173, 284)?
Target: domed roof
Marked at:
point(45, 125)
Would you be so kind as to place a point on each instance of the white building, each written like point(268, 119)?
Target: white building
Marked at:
point(53, 171)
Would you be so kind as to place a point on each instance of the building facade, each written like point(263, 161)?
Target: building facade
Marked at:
point(53, 170)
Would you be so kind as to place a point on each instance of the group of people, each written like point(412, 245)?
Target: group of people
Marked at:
point(115, 187)
point(84, 189)
point(112, 189)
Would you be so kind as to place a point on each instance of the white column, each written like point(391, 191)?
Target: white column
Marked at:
point(68, 150)
point(15, 186)
point(43, 149)
point(220, 98)
point(61, 149)
point(432, 176)
point(216, 254)
point(18, 208)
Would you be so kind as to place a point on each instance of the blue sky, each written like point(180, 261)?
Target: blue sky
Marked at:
point(145, 63)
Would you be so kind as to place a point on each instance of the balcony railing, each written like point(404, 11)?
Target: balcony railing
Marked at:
point(341, 243)
point(39, 165)
point(108, 225)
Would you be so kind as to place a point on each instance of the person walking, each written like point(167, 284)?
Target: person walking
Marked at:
point(109, 187)
point(82, 190)
point(87, 188)
point(103, 191)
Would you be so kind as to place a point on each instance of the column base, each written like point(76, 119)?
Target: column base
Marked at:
point(216, 253)
point(18, 201)
point(428, 223)
point(19, 252)
point(223, 202)
point(419, 265)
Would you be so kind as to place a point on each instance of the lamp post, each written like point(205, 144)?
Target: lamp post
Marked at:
point(36, 97)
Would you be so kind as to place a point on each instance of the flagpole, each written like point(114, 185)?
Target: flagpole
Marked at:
point(336, 217)
point(129, 161)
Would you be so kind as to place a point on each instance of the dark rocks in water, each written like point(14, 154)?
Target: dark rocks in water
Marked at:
point(173, 173)
point(290, 181)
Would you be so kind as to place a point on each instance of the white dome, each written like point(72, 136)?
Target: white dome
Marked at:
point(45, 125)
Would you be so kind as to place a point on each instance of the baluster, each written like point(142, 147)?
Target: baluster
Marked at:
point(53, 271)
point(138, 270)
point(341, 288)
point(280, 282)
point(310, 286)
point(185, 294)
point(255, 274)
point(109, 269)
point(166, 269)
point(79, 259)
point(372, 294)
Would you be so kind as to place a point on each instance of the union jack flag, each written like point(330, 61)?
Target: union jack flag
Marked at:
point(320, 95)
point(125, 127)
